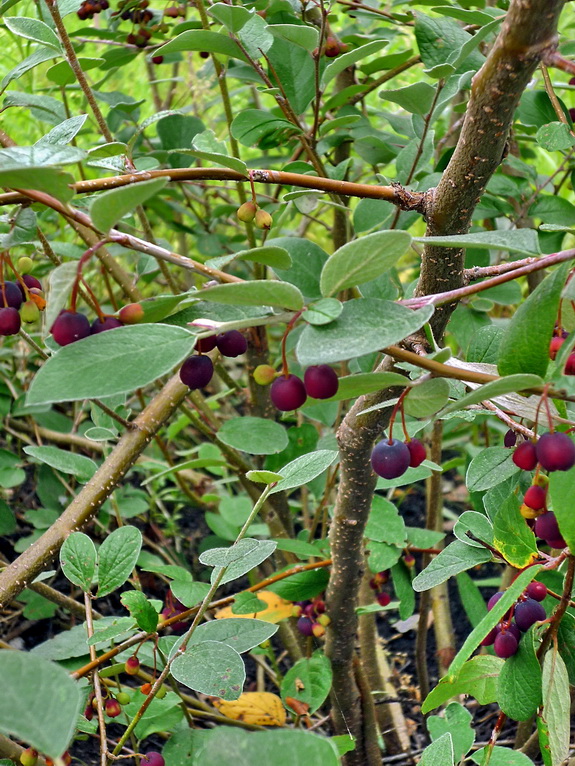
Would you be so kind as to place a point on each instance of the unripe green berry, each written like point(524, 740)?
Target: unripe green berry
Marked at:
point(264, 374)
point(263, 220)
point(29, 311)
point(29, 757)
point(25, 265)
point(161, 693)
point(123, 698)
point(247, 212)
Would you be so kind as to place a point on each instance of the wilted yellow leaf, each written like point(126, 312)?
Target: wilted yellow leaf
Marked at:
point(277, 609)
point(261, 708)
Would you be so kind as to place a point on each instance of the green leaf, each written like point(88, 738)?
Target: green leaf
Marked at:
point(490, 467)
point(385, 525)
point(416, 98)
point(561, 485)
point(494, 389)
point(62, 460)
point(501, 756)
point(141, 610)
point(33, 29)
point(118, 628)
point(351, 57)
point(554, 137)
point(162, 714)
point(304, 469)
point(108, 208)
point(117, 558)
point(109, 363)
point(202, 40)
point(306, 37)
point(556, 706)
point(525, 345)
point(256, 436)
point(401, 577)
point(239, 633)
point(456, 721)
point(239, 559)
point(301, 585)
point(63, 74)
point(263, 477)
point(365, 325)
point(519, 691)
point(439, 753)
point(225, 746)
point(39, 703)
point(252, 125)
point(307, 263)
point(478, 677)
point(476, 523)
point(457, 557)
point(382, 556)
point(293, 67)
point(207, 147)
point(362, 260)
point(255, 293)
point(566, 642)
point(511, 535)
point(471, 598)
point(492, 618)
point(308, 681)
point(45, 179)
point(427, 398)
point(247, 603)
point(78, 560)
point(323, 311)
point(276, 257)
point(189, 593)
point(523, 241)
point(211, 668)
point(60, 284)
point(26, 65)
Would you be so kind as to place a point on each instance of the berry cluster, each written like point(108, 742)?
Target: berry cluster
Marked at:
point(377, 583)
point(312, 617)
point(391, 458)
point(250, 211)
point(70, 326)
point(29, 757)
point(331, 48)
point(556, 342)
point(172, 608)
point(288, 392)
point(20, 301)
point(89, 9)
point(554, 451)
point(197, 371)
point(526, 612)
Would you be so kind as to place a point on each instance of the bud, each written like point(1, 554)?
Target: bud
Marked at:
point(29, 311)
point(133, 313)
point(247, 212)
point(28, 757)
point(263, 220)
point(264, 374)
point(25, 265)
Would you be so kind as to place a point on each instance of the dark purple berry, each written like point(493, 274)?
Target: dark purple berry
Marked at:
point(510, 438)
point(390, 460)
point(29, 281)
point(417, 452)
point(196, 371)
point(288, 393)
point(11, 295)
point(510, 627)
point(69, 327)
point(109, 323)
point(556, 543)
point(536, 590)
point(321, 381)
point(153, 758)
point(546, 527)
point(206, 344)
point(527, 613)
point(494, 599)
point(10, 322)
point(505, 645)
point(525, 456)
point(570, 365)
point(556, 451)
point(490, 637)
point(305, 626)
point(535, 497)
point(231, 343)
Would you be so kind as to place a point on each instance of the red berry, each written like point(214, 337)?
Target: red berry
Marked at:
point(112, 707)
point(383, 599)
point(536, 590)
point(132, 665)
point(535, 498)
point(417, 452)
point(390, 459)
point(305, 626)
point(133, 313)
point(570, 365)
point(525, 456)
point(321, 381)
point(206, 344)
point(332, 47)
point(288, 393)
point(11, 295)
point(510, 438)
point(89, 712)
point(231, 343)
point(69, 327)
point(109, 323)
point(10, 322)
point(157, 59)
point(505, 645)
point(527, 613)
point(556, 451)
point(153, 758)
point(555, 345)
point(197, 371)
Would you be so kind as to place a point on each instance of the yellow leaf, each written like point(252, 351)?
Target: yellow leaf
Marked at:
point(261, 708)
point(277, 609)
